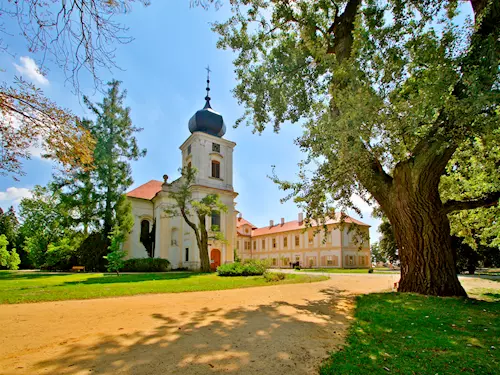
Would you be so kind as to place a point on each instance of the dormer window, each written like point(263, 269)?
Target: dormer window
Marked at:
point(215, 169)
point(216, 147)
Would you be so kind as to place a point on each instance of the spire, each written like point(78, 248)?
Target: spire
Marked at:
point(207, 98)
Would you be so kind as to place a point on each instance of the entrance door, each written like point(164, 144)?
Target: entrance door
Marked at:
point(214, 259)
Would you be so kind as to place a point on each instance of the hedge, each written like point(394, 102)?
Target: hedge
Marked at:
point(247, 268)
point(146, 265)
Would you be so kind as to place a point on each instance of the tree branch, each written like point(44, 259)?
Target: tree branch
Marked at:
point(488, 200)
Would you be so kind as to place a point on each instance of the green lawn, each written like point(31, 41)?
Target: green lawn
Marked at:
point(346, 270)
point(411, 334)
point(20, 287)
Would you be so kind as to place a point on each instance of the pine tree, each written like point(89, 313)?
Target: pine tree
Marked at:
point(116, 146)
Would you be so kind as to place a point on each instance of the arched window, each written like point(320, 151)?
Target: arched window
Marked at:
point(189, 165)
point(215, 220)
point(215, 169)
point(144, 236)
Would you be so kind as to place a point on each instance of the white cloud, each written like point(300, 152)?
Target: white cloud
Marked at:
point(13, 195)
point(29, 69)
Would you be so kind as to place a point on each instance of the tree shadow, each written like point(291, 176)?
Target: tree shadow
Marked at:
point(17, 275)
point(132, 278)
point(256, 339)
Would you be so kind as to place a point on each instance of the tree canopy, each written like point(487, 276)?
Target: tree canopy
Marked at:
point(388, 93)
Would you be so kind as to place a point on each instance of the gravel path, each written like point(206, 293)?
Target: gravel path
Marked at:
point(285, 329)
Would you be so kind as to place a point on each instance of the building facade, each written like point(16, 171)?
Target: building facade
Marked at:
point(157, 234)
point(345, 245)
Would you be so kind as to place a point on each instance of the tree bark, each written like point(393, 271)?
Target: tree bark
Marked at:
point(422, 232)
point(203, 245)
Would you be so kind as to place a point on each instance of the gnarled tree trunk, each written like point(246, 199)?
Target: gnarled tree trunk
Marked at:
point(422, 231)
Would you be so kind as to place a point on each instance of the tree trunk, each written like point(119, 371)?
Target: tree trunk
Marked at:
point(203, 246)
point(422, 233)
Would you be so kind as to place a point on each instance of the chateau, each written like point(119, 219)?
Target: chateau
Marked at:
point(156, 234)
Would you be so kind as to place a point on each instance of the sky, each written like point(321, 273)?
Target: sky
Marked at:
point(163, 71)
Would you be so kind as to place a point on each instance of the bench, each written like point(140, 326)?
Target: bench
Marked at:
point(78, 268)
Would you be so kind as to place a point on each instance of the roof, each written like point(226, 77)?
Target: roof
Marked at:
point(296, 225)
point(240, 222)
point(146, 191)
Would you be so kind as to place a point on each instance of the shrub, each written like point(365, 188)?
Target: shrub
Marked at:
point(8, 259)
point(248, 268)
point(116, 254)
point(370, 270)
point(61, 255)
point(92, 251)
point(274, 276)
point(297, 268)
point(146, 265)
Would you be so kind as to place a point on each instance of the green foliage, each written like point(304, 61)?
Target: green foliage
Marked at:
point(370, 270)
point(190, 208)
point(271, 277)
point(251, 267)
point(146, 265)
point(45, 221)
point(115, 147)
point(387, 244)
point(414, 334)
point(92, 251)
point(472, 172)
point(8, 259)
point(237, 258)
point(376, 253)
point(61, 255)
point(116, 255)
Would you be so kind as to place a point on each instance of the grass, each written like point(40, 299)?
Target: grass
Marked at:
point(412, 334)
point(346, 270)
point(21, 287)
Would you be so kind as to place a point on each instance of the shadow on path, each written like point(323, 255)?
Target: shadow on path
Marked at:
point(276, 338)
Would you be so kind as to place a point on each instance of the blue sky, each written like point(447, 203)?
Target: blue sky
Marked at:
point(163, 70)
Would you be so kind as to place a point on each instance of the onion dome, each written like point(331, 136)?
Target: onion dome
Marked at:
point(206, 120)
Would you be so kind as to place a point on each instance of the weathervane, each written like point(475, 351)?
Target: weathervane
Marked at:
point(207, 98)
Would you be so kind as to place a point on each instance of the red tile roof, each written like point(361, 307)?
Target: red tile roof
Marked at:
point(146, 191)
point(295, 225)
point(240, 222)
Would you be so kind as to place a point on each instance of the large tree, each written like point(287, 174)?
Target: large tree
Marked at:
point(388, 92)
point(76, 36)
point(195, 213)
point(116, 146)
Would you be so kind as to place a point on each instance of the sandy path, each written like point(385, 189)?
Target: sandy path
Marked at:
point(266, 330)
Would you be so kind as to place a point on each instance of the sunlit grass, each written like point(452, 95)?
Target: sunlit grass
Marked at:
point(19, 287)
point(412, 334)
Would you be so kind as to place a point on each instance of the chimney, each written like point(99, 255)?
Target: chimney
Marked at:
point(301, 217)
point(282, 221)
point(271, 223)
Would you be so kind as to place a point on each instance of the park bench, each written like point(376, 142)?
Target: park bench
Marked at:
point(78, 268)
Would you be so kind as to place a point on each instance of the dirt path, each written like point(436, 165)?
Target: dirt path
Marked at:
point(266, 330)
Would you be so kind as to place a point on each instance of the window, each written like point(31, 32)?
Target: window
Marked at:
point(247, 245)
point(216, 147)
point(215, 221)
point(350, 260)
point(187, 254)
point(297, 258)
point(285, 242)
point(275, 262)
point(310, 235)
point(215, 169)
point(286, 261)
point(263, 244)
point(237, 245)
point(274, 243)
point(189, 165)
point(329, 260)
point(144, 236)
point(189, 150)
point(297, 241)
point(329, 236)
point(173, 236)
point(254, 245)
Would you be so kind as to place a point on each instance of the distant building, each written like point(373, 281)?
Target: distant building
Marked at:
point(155, 234)
point(290, 242)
